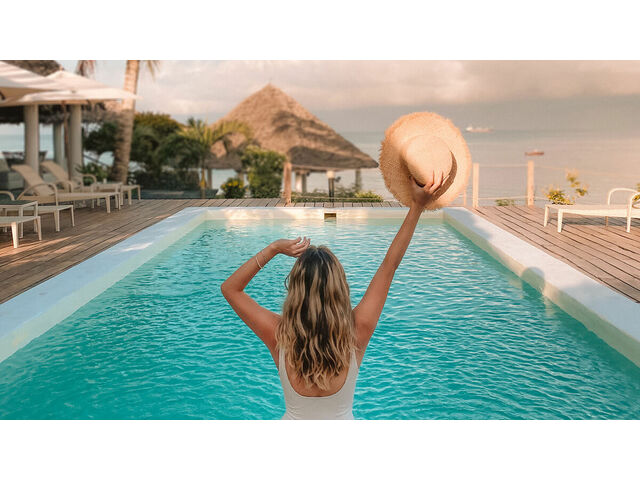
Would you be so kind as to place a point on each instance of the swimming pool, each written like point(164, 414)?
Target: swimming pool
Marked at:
point(460, 337)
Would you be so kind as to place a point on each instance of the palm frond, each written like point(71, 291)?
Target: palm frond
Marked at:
point(152, 67)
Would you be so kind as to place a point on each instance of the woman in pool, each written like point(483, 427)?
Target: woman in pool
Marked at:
point(319, 341)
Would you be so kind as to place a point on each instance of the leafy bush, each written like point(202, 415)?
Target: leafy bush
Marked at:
point(233, 188)
point(161, 123)
point(264, 171)
point(557, 196)
point(342, 194)
point(101, 139)
point(100, 172)
point(505, 202)
point(368, 196)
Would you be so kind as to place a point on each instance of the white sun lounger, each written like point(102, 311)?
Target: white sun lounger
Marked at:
point(45, 192)
point(61, 177)
point(629, 210)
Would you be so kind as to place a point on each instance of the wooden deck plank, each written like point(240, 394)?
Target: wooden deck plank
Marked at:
point(598, 251)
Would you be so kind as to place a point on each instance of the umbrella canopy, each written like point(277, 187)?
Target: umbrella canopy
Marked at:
point(15, 82)
point(76, 90)
point(281, 124)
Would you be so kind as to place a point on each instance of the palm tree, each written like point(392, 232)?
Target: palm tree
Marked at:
point(126, 115)
point(191, 146)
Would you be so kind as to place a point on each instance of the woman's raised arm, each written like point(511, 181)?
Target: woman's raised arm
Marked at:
point(262, 321)
point(368, 311)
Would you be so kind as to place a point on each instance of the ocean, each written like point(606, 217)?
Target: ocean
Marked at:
point(602, 161)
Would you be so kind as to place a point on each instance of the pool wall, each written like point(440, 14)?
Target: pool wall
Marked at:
point(610, 315)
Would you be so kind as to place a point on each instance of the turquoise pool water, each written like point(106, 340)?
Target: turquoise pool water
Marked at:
point(460, 338)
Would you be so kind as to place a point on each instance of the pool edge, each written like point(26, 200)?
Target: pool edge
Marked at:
point(602, 310)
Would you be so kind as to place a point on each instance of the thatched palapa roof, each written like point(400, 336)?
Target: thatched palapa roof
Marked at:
point(280, 123)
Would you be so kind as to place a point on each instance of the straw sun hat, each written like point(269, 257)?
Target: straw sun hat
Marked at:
point(420, 145)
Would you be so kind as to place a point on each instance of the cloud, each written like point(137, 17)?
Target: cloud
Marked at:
point(200, 87)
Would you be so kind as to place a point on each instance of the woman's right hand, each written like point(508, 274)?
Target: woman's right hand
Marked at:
point(292, 248)
point(423, 195)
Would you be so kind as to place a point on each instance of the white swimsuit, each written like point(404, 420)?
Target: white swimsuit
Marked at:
point(333, 407)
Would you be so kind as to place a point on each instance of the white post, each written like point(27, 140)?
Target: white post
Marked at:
point(530, 183)
point(304, 181)
point(475, 185)
point(75, 141)
point(31, 137)
point(58, 144)
point(298, 186)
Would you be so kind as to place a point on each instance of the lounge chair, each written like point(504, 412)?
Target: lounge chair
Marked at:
point(628, 210)
point(61, 177)
point(17, 208)
point(44, 192)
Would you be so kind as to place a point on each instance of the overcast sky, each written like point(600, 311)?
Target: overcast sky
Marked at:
point(368, 95)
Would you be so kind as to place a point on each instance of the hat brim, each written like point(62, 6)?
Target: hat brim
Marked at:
point(394, 171)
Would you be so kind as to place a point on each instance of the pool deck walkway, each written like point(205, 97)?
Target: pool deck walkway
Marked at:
point(607, 254)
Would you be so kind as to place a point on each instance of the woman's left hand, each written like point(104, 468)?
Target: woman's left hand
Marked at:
point(292, 248)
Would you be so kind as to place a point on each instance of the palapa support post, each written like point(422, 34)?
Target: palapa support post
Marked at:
point(475, 185)
point(358, 180)
point(530, 183)
point(305, 174)
point(331, 179)
point(287, 182)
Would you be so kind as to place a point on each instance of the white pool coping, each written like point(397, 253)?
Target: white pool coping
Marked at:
point(613, 317)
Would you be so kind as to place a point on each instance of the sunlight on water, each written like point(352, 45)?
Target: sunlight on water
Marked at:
point(460, 338)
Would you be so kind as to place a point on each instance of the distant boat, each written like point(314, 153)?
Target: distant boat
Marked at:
point(473, 129)
point(534, 153)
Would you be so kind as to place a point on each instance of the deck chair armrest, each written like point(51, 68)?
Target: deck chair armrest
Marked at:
point(7, 192)
point(630, 190)
point(28, 189)
point(68, 184)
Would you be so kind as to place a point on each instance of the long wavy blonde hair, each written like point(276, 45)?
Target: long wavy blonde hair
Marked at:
point(317, 330)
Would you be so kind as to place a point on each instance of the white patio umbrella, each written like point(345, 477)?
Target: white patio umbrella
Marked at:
point(15, 82)
point(78, 91)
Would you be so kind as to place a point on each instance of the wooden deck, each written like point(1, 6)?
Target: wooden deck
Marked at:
point(610, 255)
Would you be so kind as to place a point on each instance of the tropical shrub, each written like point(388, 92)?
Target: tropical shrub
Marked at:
point(233, 188)
point(264, 171)
point(161, 123)
point(368, 196)
point(505, 202)
point(343, 194)
point(556, 195)
point(99, 171)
